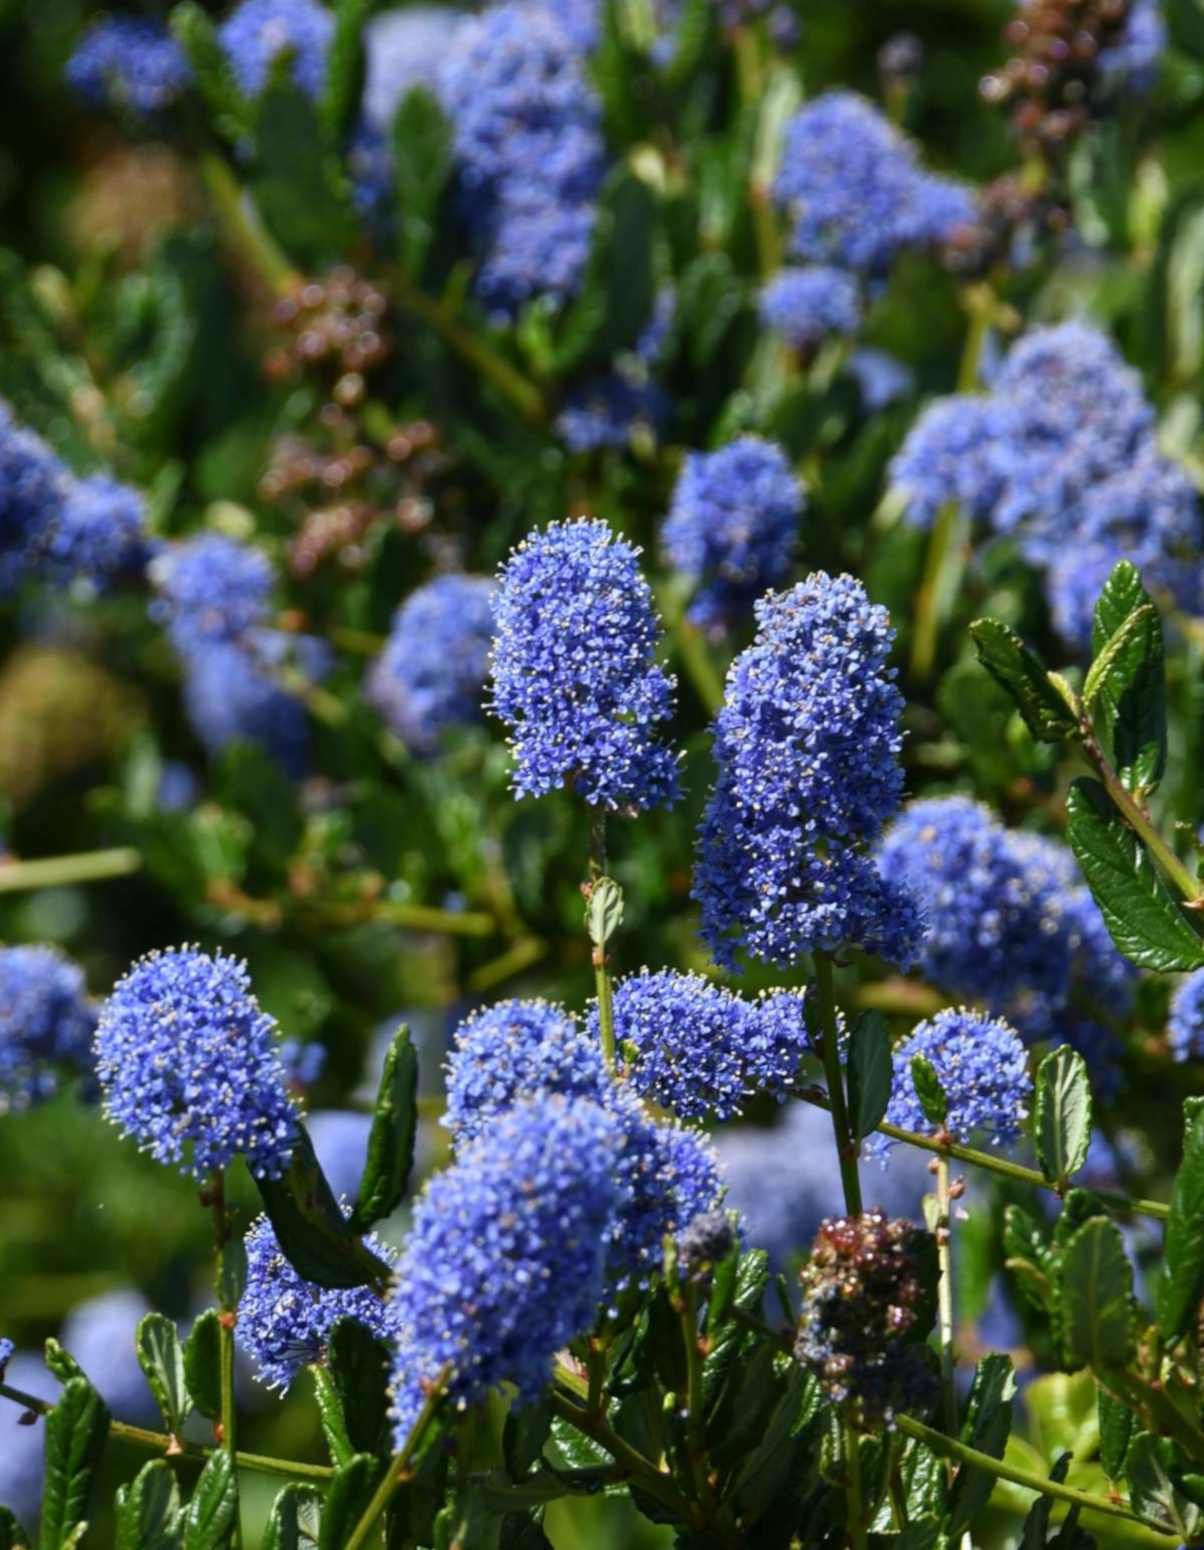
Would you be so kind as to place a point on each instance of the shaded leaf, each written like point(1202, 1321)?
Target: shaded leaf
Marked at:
point(1005, 656)
point(148, 1512)
point(202, 1364)
point(75, 1437)
point(422, 161)
point(986, 1427)
point(1116, 1426)
point(869, 1073)
point(391, 1138)
point(1062, 1116)
point(348, 1497)
point(162, 1360)
point(1094, 1313)
point(292, 1521)
point(1182, 1281)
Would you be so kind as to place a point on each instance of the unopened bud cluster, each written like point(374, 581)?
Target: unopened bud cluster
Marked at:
point(867, 1303)
point(335, 322)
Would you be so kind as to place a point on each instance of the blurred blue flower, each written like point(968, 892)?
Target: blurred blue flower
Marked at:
point(212, 590)
point(257, 33)
point(46, 1023)
point(100, 1334)
point(1185, 1026)
point(129, 62)
point(807, 306)
point(340, 1138)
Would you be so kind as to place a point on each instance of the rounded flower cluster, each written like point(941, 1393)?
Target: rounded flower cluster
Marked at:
point(46, 1023)
point(811, 304)
point(1185, 1027)
point(284, 1322)
point(212, 590)
point(259, 32)
point(100, 534)
point(732, 527)
point(504, 1263)
point(529, 151)
point(699, 1050)
point(516, 1050)
point(574, 670)
point(946, 457)
point(881, 379)
point(130, 62)
point(431, 674)
point(190, 1068)
point(855, 191)
point(230, 696)
point(868, 1301)
point(983, 1069)
point(1010, 923)
point(807, 744)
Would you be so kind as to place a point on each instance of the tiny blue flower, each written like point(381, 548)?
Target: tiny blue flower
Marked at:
point(259, 32)
point(129, 62)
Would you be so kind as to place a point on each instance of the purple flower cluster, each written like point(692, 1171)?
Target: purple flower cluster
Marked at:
point(807, 745)
point(190, 1066)
point(574, 670)
point(529, 151)
point(46, 1023)
point(811, 304)
point(431, 675)
point(257, 33)
point(129, 62)
point(732, 527)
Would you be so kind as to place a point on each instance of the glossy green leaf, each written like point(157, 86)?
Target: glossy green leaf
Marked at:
point(75, 1437)
point(1143, 918)
point(12, 1535)
point(987, 1424)
point(869, 1073)
point(212, 1509)
point(931, 1095)
point(526, 1430)
point(1117, 1424)
point(148, 1511)
point(161, 1358)
point(1036, 1524)
point(1014, 665)
point(1149, 1469)
point(391, 1138)
point(1182, 1283)
point(1128, 679)
point(312, 1231)
point(202, 1364)
point(359, 1367)
point(61, 1363)
point(422, 160)
point(331, 1417)
point(343, 86)
point(293, 1521)
point(346, 1500)
point(1094, 1313)
point(1062, 1115)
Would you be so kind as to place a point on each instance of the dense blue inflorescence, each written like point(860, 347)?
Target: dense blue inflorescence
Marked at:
point(284, 1322)
point(33, 485)
point(504, 1263)
point(212, 590)
point(811, 304)
point(46, 1023)
point(431, 675)
point(668, 1175)
point(946, 457)
point(732, 527)
point(512, 1051)
point(1010, 923)
point(807, 744)
point(982, 1067)
point(1185, 1026)
point(574, 671)
point(855, 191)
point(259, 32)
point(129, 62)
point(100, 534)
point(230, 696)
point(881, 379)
point(100, 1335)
point(190, 1067)
point(529, 151)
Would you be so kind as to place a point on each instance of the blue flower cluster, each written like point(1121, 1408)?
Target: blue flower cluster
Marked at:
point(504, 1263)
point(46, 1023)
point(259, 32)
point(212, 589)
point(808, 305)
point(431, 675)
point(625, 404)
point(190, 1066)
point(1133, 61)
point(1185, 1026)
point(129, 62)
point(1061, 456)
point(284, 1322)
point(732, 527)
point(701, 1051)
point(881, 379)
point(855, 191)
point(55, 526)
point(529, 151)
point(523, 1051)
point(807, 745)
point(100, 1335)
point(1010, 924)
point(981, 1065)
point(574, 671)
point(402, 49)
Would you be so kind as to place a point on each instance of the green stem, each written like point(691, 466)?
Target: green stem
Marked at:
point(1001, 1165)
point(225, 1325)
point(603, 988)
point(526, 951)
point(242, 224)
point(944, 1253)
point(172, 1447)
point(87, 866)
point(396, 1471)
point(952, 1447)
point(1138, 820)
point(423, 917)
point(846, 1144)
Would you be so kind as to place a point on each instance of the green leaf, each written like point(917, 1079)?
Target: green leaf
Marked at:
point(1182, 1281)
point(228, 108)
point(1036, 1524)
point(202, 1364)
point(524, 1434)
point(312, 1231)
point(1094, 1313)
point(359, 1366)
point(391, 1138)
point(292, 1522)
point(986, 1427)
point(213, 1507)
point(931, 1095)
point(618, 288)
point(1143, 918)
point(75, 1437)
point(61, 1363)
point(869, 1073)
point(350, 1492)
point(1152, 1492)
point(293, 185)
point(12, 1535)
point(1062, 1118)
point(331, 1417)
point(1116, 1426)
point(1028, 1256)
point(1129, 678)
point(604, 912)
point(148, 1513)
point(422, 161)
point(162, 1360)
point(343, 85)
point(1005, 656)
